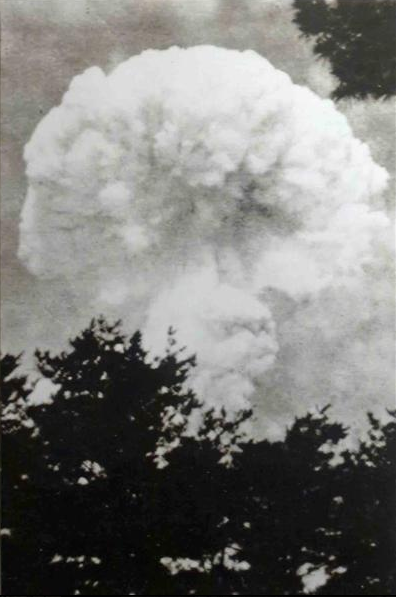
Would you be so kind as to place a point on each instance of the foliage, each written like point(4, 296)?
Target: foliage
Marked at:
point(107, 492)
point(358, 37)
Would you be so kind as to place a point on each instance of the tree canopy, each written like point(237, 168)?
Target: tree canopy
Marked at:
point(358, 37)
point(107, 491)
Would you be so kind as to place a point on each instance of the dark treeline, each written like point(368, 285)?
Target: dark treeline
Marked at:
point(358, 37)
point(105, 494)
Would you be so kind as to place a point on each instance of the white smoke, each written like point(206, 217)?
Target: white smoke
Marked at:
point(230, 329)
point(190, 187)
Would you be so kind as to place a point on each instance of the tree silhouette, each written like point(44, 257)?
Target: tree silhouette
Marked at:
point(98, 447)
point(201, 517)
point(103, 436)
point(107, 492)
point(21, 469)
point(287, 495)
point(357, 36)
point(366, 544)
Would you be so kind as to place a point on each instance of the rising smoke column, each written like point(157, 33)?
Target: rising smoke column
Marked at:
point(189, 187)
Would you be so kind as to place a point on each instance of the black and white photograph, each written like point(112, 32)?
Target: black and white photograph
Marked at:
point(198, 297)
